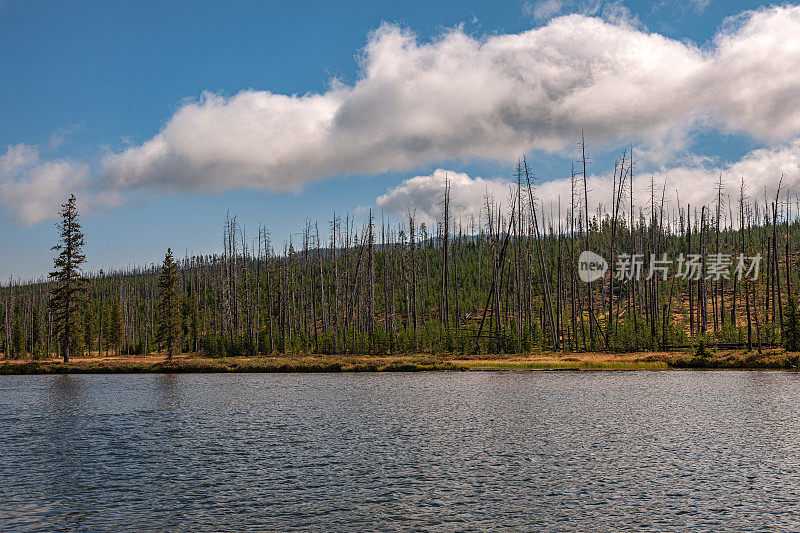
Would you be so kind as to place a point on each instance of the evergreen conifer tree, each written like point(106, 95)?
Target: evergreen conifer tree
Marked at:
point(69, 293)
point(791, 327)
point(115, 328)
point(169, 318)
point(88, 327)
point(18, 342)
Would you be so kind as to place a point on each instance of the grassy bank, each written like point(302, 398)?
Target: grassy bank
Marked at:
point(774, 359)
point(190, 363)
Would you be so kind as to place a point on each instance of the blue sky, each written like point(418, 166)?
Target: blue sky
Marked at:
point(82, 80)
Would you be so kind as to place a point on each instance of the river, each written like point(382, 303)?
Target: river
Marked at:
point(401, 451)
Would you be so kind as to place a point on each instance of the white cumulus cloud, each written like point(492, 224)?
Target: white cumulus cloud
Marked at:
point(461, 97)
point(32, 188)
point(761, 169)
point(423, 195)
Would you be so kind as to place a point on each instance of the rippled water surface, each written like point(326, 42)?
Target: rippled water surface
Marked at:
point(433, 451)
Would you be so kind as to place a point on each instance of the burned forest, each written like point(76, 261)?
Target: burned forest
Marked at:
point(506, 281)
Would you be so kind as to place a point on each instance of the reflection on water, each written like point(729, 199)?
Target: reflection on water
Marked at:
point(433, 451)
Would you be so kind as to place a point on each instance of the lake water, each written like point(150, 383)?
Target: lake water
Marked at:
point(433, 451)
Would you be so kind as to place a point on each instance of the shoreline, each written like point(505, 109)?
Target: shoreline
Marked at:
point(775, 359)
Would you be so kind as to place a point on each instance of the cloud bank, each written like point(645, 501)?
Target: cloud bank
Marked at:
point(456, 98)
point(761, 169)
point(495, 98)
point(32, 189)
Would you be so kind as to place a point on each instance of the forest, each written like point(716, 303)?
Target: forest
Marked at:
point(506, 281)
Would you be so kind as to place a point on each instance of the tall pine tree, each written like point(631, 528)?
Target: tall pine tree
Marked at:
point(18, 341)
point(115, 328)
point(69, 291)
point(169, 318)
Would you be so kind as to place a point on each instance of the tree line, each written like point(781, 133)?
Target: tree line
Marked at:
point(505, 281)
